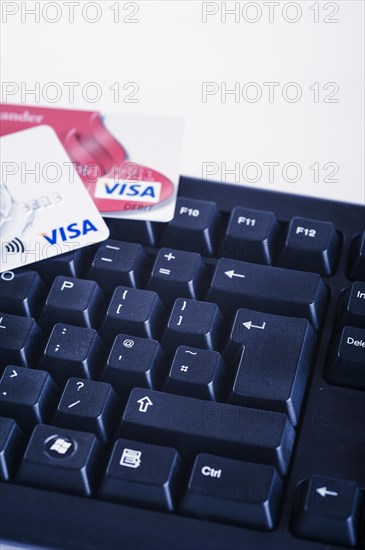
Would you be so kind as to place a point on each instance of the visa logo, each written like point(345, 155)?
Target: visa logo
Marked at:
point(72, 231)
point(137, 191)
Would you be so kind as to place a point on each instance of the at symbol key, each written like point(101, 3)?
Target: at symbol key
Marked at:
point(134, 362)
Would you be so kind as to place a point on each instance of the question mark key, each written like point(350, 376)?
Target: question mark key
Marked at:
point(89, 406)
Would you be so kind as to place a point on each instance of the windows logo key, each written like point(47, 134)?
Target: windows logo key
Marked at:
point(59, 447)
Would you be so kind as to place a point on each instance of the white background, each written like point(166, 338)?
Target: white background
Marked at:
point(170, 52)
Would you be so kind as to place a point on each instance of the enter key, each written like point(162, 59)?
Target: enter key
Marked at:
point(274, 356)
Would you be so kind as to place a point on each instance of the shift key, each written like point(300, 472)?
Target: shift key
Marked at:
point(193, 426)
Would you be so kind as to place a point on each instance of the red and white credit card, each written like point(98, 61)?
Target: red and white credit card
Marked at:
point(128, 163)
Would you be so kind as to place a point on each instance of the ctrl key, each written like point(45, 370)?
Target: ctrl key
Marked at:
point(328, 510)
point(58, 459)
point(233, 491)
point(143, 475)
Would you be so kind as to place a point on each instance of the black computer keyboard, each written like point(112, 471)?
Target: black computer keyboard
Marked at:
point(197, 384)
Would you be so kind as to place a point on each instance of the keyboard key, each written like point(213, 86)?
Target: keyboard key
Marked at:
point(11, 439)
point(275, 355)
point(251, 236)
point(27, 396)
point(354, 313)
point(268, 289)
point(193, 323)
point(311, 245)
point(90, 407)
point(72, 351)
point(134, 312)
point(75, 301)
point(357, 260)
point(21, 293)
point(234, 491)
point(118, 263)
point(20, 341)
point(192, 426)
point(142, 474)
point(133, 231)
point(72, 264)
point(348, 366)
point(329, 510)
point(178, 274)
point(60, 459)
point(196, 373)
point(194, 227)
point(134, 362)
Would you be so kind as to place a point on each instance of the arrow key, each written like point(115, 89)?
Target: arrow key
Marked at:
point(328, 510)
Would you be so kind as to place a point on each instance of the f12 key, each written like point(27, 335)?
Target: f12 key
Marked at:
point(311, 245)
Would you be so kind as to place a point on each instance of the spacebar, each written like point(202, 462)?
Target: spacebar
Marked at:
point(194, 426)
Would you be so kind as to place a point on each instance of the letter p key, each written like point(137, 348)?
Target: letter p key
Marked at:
point(67, 284)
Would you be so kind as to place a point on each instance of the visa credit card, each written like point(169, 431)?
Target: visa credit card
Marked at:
point(128, 163)
point(45, 209)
